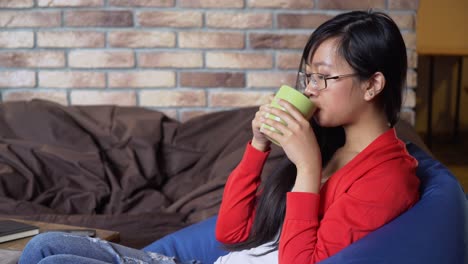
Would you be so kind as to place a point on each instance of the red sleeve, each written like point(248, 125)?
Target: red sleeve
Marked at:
point(373, 200)
point(237, 209)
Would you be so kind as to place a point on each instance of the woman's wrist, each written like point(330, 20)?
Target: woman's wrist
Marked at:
point(261, 146)
point(307, 180)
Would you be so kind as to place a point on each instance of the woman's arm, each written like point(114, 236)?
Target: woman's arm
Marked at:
point(237, 209)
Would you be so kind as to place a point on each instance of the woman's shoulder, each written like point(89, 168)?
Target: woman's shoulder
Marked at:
point(393, 181)
point(390, 152)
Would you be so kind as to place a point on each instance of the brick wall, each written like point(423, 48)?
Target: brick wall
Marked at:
point(182, 57)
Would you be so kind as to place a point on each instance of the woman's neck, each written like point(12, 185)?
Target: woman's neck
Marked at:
point(360, 134)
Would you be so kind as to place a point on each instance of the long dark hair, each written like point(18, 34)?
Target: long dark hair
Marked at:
point(370, 42)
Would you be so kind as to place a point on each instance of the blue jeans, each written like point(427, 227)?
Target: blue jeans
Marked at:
point(56, 247)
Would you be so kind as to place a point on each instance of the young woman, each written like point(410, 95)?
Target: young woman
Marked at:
point(345, 178)
point(346, 173)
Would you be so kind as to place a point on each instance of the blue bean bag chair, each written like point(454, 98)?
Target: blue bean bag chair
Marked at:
point(434, 231)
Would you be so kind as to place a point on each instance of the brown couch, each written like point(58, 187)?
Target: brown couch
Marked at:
point(127, 169)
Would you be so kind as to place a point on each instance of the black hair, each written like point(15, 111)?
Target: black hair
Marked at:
point(370, 42)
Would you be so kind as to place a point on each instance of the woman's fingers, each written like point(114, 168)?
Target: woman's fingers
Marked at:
point(279, 121)
point(258, 121)
point(292, 110)
point(271, 97)
point(284, 117)
point(284, 122)
point(270, 131)
point(261, 113)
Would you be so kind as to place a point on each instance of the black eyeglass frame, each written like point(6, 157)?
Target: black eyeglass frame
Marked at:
point(308, 77)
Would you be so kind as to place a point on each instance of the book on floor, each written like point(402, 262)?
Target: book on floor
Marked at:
point(11, 230)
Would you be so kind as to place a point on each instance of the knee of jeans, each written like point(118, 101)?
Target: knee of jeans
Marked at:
point(34, 249)
point(45, 239)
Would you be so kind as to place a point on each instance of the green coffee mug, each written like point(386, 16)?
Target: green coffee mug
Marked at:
point(294, 97)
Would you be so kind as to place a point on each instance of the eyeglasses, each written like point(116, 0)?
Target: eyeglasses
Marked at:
point(319, 81)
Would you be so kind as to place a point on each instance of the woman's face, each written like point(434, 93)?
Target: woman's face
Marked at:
point(341, 102)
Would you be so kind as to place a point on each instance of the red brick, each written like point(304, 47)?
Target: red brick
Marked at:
point(347, 4)
point(290, 4)
point(142, 3)
point(142, 39)
point(403, 4)
point(166, 98)
point(11, 19)
point(170, 19)
point(211, 3)
point(225, 40)
point(16, 39)
point(170, 59)
point(70, 39)
point(16, 3)
point(238, 20)
point(99, 18)
point(142, 79)
point(238, 99)
point(271, 79)
point(307, 21)
point(71, 79)
point(10, 79)
point(103, 98)
point(409, 98)
point(58, 97)
point(404, 21)
point(100, 59)
point(412, 58)
point(288, 60)
point(236, 60)
point(411, 78)
point(32, 59)
point(171, 113)
point(212, 79)
point(410, 40)
point(277, 41)
point(68, 3)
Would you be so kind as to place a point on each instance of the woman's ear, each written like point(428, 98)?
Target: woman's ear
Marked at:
point(374, 86)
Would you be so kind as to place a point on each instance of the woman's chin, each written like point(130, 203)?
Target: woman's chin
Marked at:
point(320, 120)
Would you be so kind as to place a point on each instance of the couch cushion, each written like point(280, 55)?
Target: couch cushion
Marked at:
point(194, 242)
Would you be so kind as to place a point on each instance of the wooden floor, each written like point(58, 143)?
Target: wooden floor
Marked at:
point(454, 155)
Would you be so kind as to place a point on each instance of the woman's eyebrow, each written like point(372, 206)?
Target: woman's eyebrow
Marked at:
point(319, 63)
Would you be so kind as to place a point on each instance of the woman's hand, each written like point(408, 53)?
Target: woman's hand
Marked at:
point(298, 141)
point(259, 140)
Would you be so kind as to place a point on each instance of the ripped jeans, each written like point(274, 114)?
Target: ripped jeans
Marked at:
point(56, 247)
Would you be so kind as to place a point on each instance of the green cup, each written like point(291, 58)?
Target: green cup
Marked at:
point(294, 97)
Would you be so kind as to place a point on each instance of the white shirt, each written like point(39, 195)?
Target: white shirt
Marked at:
point(245, 256)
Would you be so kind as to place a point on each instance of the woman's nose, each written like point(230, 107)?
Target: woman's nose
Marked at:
point(310, 91)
